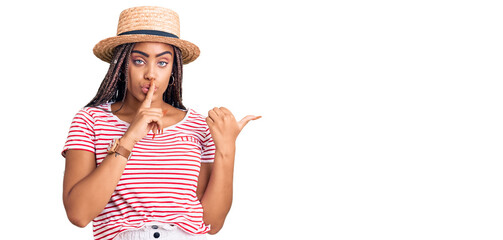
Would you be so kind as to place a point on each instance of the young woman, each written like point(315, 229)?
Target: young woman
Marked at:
point(138, 163)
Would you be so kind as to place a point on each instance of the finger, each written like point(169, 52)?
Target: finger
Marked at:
point(209, 122)
point(154, 131)
point(226, 113)
point(148, 98)
point(212, 114)
point(246, 120)
point(157, 112)
point(150, 127)
point(153, 126)
point(156, 128)
point(153, 121)
point(159, 126)
point(217, 111)
point(225, 110)
point(156, 125)
point(152, 112)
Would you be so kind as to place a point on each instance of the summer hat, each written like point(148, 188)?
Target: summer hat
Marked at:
point(147, 24)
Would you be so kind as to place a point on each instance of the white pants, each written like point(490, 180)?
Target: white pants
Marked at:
point(159, 231)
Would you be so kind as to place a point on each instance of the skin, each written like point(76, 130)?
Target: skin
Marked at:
point(87, 188)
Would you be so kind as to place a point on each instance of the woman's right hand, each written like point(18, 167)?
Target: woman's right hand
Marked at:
point(146, 119)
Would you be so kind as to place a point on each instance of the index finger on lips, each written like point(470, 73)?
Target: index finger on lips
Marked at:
point(148, 98)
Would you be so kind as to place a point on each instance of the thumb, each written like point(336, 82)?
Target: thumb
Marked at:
point(242, 123)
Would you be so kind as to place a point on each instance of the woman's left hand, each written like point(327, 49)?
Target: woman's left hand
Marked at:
point(223, 126)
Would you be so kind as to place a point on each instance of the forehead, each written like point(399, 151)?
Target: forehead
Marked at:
point(153, 47)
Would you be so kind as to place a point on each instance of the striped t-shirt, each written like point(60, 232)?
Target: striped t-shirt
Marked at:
point(160, 180)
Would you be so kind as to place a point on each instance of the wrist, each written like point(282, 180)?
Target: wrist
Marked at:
point(225, 149)
point(127, 142)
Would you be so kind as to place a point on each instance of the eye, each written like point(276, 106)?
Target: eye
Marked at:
point(163, 64)
point(138, 62)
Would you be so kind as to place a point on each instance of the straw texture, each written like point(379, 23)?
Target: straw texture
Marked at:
point(147, 18)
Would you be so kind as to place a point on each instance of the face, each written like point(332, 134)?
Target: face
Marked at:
point(149, 62)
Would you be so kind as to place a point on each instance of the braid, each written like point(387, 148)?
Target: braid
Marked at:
point(114, 85)
point(173, 94)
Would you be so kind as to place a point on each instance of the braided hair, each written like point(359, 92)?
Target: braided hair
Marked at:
point(113, 88)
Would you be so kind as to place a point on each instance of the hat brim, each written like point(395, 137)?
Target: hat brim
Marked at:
point(104, 49)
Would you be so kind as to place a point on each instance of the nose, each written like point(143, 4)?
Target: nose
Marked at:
point(150, 73)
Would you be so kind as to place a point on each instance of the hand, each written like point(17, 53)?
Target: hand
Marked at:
point(146, 119)
point(223, 126)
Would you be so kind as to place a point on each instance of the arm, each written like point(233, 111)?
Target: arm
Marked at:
point(217, 198)
point(86, 188)
point(204, 177)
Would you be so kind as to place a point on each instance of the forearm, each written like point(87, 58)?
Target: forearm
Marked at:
point(217, 198)
point(88, 197)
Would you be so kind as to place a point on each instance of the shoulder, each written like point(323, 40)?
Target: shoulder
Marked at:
point(94, 113)
point(195, 122)
point(196, 117)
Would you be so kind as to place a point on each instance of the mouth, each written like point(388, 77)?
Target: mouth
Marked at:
point(145, 88)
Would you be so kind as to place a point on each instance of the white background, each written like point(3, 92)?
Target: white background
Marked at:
point(381, 119)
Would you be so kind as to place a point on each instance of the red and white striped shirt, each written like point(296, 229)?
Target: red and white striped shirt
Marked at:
point(160, 180)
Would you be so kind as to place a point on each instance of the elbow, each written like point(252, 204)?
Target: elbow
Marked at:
point(76, 215)
point(79, 222)
point(216, 227)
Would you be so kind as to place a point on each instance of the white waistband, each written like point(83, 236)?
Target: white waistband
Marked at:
point(158, 231)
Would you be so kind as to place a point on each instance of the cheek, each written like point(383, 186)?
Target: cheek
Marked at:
point(134, 77)
point(134, 73)
point(166, 76)
point(133, 83)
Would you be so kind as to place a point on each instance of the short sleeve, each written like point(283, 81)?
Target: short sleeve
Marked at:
point(208, 155)
point(81, 135)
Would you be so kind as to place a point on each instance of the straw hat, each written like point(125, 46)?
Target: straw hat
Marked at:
point(147, 24)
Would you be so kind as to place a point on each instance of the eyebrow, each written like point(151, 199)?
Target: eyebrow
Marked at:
point(140, 52)
point(167, 52)
point(146, 55)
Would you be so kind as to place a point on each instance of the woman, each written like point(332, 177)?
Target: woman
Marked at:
point(138, 163)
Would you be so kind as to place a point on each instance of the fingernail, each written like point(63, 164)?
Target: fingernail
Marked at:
point(153, 136)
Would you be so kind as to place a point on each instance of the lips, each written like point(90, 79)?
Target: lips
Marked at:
point(146, 87)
